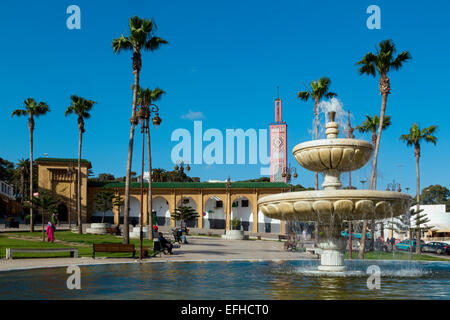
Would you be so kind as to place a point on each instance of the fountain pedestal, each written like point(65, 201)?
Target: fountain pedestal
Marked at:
point(332, 257)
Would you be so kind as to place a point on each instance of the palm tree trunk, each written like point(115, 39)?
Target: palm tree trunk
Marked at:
point(316, 174)
point(149, 204)
point(126, 229)
point(417, 152)
point(31, 127)
point(80, 141)
point(384, 89)
point(372, 235)
point(362, 247)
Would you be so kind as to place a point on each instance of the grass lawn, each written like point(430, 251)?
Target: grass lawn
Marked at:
point(398, 255)
point(84, 240)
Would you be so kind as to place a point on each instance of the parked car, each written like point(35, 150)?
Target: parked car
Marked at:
point(437, 247)
point(405, 244)
point(355, 235)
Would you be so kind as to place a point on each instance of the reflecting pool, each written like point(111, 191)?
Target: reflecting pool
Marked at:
point(232, 280)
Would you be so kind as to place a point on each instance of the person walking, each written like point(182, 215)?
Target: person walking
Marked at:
point(50, 232)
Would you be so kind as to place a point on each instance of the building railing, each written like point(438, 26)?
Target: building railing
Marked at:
point(7, 190)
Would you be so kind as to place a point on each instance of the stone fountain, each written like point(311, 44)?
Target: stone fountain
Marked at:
point(333, 205)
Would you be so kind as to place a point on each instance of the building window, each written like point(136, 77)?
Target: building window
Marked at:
point(219, 204)
point(244, 203)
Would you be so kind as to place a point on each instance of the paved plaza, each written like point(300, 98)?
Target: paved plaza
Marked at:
point(198, 249)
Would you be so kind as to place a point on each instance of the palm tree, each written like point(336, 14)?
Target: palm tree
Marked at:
point(371, 124)
point(158, 175)
point(32, 109)
point(414, 138)
point(103, 202)
point(319, 90)
point(381, 62)
point(142, 37)
point(146, 97)
point(81, 108)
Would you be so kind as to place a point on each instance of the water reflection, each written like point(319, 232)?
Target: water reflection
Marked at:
point(231, 280)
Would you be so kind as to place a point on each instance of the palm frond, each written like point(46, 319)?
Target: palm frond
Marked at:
point(303, 95)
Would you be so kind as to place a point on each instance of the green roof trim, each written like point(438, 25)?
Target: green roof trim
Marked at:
point(60, 160)
point(201, 185)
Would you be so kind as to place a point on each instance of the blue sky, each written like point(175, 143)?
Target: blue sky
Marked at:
point(225, 60)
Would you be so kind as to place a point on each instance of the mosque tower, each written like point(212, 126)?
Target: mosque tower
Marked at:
point(278, 144)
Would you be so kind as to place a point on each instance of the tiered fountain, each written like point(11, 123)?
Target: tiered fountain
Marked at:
point(332, 205)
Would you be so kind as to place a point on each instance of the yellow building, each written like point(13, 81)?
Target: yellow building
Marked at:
point(215, 203)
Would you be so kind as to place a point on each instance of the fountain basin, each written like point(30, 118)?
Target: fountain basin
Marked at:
point(333, 154)
point(337, 205)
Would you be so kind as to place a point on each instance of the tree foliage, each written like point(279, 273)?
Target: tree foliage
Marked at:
point(436, 194)
point(185, 213)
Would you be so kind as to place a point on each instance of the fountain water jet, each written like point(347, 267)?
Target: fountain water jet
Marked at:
point(332, 206)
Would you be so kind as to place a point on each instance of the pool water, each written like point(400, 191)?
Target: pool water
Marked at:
point(238, 280)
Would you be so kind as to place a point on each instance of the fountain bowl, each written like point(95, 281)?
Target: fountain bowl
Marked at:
point(333, 154)
point(338, 205)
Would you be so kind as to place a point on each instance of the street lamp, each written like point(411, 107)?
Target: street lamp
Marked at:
point(143, 116)
point(288, 173)
point(393, 186)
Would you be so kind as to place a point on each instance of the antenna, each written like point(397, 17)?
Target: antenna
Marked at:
point(278, 92)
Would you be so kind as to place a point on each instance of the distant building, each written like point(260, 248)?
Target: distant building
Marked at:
point(215, 203)
point(439, 220)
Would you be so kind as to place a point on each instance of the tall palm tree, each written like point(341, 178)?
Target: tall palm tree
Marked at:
point(81, 108)
point(319, 90)
point(142, 37)
point(31, 109)
point(146, 97)
point(381, 62)
point(371, 125)
point(414, 138)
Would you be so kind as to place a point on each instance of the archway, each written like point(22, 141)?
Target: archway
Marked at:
point(135, 212)
point(214, 217)
point(62, 211)
point(268, 225)
point(189, 202)
point(242, 209)
point(161, 206)
point(96, 217)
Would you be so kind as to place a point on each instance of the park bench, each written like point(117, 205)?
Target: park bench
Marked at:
point(117, 247)
point(112, 247)
point(11, 251)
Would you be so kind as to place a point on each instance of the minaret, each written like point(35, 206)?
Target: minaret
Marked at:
point(278, 144)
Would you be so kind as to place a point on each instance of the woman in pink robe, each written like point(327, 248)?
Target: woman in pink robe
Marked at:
point(50, 234)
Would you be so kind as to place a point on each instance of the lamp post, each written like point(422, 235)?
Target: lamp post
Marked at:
point(289, 173)
point(349, 134)
point(228, 185)
point(144, 115)
point(70, 171)
point(181, 168)
point(393, 186)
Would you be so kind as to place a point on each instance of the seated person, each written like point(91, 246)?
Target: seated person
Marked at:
point(181, 235)
point(164, 243)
